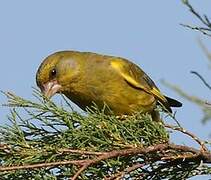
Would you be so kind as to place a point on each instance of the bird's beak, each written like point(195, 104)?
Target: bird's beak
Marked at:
point(50, 88)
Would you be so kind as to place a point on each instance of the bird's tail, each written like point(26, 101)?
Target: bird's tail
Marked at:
point(173, 102)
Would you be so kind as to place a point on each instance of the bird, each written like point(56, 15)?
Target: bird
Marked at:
point(88, 78)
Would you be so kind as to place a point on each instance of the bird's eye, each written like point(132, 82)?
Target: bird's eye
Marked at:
point(53, 72)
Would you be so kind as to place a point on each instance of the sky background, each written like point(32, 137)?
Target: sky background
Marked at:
point(147, 32)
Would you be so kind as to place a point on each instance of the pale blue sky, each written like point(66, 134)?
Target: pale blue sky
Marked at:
point(146, 32)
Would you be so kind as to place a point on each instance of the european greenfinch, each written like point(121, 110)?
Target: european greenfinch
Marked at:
point(86, 78)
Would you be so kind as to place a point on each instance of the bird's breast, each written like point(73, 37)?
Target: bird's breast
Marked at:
point(110, 89)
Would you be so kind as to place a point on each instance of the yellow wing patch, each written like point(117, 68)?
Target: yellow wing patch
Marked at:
point(120, 67)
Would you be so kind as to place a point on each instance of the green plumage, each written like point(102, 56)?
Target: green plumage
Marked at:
point(89, 77)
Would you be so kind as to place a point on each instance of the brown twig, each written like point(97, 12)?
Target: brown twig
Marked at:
point(125, 171)
point(84, 164)
point(200, 29)
point(76, 151)
point(202, 79)
point(203, 19)
point(80, 171)
point(184, 131)
point(40, 165)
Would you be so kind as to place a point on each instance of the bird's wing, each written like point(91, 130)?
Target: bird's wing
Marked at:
point(139, 79)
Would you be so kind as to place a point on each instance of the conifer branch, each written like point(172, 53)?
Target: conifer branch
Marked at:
point(44, 138)
point(194, 137)
point(206, 24)
point(162, 150)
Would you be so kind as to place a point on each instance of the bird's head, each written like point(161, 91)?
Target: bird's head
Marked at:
point(56, 72)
